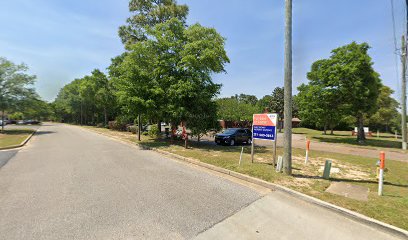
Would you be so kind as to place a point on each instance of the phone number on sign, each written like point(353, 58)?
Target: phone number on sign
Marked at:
point(263, 135)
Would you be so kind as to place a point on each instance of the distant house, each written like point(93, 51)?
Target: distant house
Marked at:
point(295, 122)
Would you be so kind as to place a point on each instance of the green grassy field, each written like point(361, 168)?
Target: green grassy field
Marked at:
point(391, 208)
point(11, 138)
point(385, 140)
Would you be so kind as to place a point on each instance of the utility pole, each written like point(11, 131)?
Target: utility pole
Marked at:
point(404, 86)
point(404, 95)
point(287, 146)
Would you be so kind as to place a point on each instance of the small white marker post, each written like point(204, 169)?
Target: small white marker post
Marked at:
point(240, 158)
point(378, 133)
point(307, 150)
point(381, 177)
point(396, 134)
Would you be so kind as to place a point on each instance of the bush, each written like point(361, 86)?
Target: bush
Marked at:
point(117, 126)
point(145, 133)
point(154, 131)
point(100, 125)
point(133, 129)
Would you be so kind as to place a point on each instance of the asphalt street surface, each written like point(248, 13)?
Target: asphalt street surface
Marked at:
point(69, 183)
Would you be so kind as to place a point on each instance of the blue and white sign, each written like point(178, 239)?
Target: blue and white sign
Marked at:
point(264, 126)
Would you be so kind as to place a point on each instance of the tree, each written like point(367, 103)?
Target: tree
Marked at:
point(248, 99)
point(350, 76)
point(15, 85)
point(147, 14)
point(319, 106)
point(230, 109)
point(387, 110)
point(167, 70)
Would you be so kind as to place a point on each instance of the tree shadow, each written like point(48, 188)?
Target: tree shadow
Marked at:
point(349, 180)
point(369, 142)
point(39, 133)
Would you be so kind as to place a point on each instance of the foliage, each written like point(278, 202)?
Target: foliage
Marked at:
point(387, 111)
point(232, 109)
point(154, 131)
point(88, 100)
point(117, 125)
point(344, 84)
point(15, 84)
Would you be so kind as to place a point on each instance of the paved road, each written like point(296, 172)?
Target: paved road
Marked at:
point(69, 183)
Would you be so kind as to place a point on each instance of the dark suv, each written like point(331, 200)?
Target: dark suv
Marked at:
point(231, 136)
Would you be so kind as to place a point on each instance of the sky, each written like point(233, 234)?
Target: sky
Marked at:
point(63, 40)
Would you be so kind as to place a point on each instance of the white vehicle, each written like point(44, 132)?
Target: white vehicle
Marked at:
point(3, 123)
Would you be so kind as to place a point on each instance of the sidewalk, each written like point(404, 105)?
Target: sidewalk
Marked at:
point(279, 216)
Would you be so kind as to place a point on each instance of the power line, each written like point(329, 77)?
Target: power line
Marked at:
point(396, 50)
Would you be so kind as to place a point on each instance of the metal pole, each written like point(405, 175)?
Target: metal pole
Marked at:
point(274, 150)
point(287, 155)
point(240, 157)
point(404, 95)
point(139, 123)
point(252, 144)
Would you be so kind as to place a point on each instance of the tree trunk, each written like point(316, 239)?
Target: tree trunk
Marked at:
point(280, 125)
point(361, 134)
point(82, 115)
point(106, 115)
point(331, 130)
point(139, 125)
point(325, 129)
point(198, 137)
point(2, 121)
point(159, 127)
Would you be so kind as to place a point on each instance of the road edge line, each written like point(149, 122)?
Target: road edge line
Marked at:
point(398, 232)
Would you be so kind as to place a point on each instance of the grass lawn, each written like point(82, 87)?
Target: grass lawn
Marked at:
point(391, 208)
point(11, 138)
point(385, 140)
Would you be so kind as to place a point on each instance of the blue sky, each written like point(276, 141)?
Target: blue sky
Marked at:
point(62, 40)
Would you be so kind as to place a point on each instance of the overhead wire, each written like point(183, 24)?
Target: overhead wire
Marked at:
point(396, 49)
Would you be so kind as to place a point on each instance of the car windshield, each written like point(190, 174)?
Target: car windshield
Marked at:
point(229, 131)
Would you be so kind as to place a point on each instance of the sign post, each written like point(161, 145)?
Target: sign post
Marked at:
point(307, 150)
point(381, 178)
point(264, 128)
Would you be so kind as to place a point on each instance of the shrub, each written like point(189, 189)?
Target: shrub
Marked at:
point(154, 131)
point(133, 129)
point(115, 125)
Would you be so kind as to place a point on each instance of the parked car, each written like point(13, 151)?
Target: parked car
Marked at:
point(32, 122)
point(20, 122)
point(11, 121)
point(232, 136)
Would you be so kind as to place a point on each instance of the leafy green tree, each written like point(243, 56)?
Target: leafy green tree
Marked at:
point(387, 111)
point(319, 106)
point(147, 14)
point(231, 109)
point(15, 85)
point(349, 73)
point(167, 74)
point(249, 99)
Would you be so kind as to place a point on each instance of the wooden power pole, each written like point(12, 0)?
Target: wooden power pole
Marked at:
point(287, 155)
point(404, 85)
point(404, 94)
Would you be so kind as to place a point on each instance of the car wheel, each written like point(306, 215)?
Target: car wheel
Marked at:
point(232, 142)
point(249, 141)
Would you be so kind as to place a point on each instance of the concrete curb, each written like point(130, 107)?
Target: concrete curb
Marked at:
point(398, 232)
point(22, 144)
